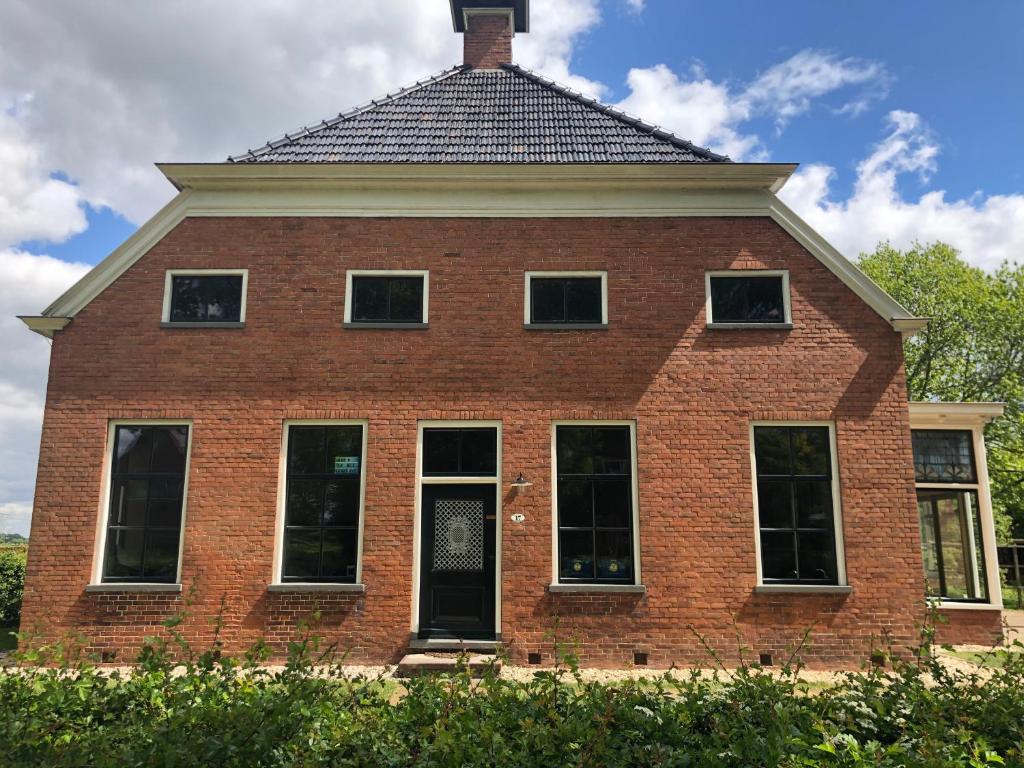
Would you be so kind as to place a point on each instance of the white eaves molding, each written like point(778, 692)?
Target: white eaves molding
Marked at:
point(354, 190)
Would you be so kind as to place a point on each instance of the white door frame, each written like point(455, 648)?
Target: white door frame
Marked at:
point(417, 536)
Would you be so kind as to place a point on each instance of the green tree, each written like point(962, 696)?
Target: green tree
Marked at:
point(12, 583)
point(971, 350)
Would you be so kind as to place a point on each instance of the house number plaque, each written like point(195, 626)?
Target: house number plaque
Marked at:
point(518, 517)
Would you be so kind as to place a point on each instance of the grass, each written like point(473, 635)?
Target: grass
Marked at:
point(995, 659)
point(1012, 598)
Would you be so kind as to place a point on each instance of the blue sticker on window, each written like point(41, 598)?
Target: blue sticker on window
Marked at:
point(346, 465)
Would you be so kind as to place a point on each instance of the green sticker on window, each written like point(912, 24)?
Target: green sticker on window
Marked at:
point(346, 465)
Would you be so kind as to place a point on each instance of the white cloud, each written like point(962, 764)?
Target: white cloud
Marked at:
point(28, 282)
point(119, 85)
point(711, 113)
point(636, 6)
point(987, 229)
point(33, 204)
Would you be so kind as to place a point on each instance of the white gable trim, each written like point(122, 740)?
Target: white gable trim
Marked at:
point(510, 193)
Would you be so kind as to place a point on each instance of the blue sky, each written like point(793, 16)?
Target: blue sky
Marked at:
point(907, 117)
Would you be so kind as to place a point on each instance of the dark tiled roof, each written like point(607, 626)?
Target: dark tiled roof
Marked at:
point(465, 115)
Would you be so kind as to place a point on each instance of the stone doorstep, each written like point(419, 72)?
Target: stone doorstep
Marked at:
point(415, 664)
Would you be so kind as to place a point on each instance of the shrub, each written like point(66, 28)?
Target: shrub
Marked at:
point(209, 710)
point(12, 582)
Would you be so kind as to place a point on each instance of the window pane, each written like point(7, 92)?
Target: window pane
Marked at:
point(775, 503)
point(479, 451)
point(771, 450)
point(957, 554)
point(341, 503)
point(305, 502)
point(747, 299)
point(614, 558)
point(814, 504)
point(611, 451)
point(369, 298)
point(943, 456)
point(576, 554)
point(165, 513)
point(339, 558)
point(810, 450)
point(301, 554)
point(306, 450)
point(406, 299)
point(206, 298)
point(778, 555)
point(817, 557)
point(344, 450)
point(583, 300)
point(134, 449)
point(441, 451)
point(124, 553)
point(169, 448)
point(575, 451)
point(128, 506)
point(612, 504)
point(547, 298)
point(764, 300)
point(575, 505)
point(929, 545)
point(162, 555)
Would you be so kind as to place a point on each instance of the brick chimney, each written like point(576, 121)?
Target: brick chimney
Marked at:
point(488, 27)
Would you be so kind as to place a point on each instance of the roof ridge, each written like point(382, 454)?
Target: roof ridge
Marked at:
point(306, 130)
point(634, 122)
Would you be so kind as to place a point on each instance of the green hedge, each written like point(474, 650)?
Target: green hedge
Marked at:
point(216, 711)
point(12, 582)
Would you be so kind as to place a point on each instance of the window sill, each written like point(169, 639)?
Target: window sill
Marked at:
point(133, 587)
point(750, 326)
point(802, 589)
point(388, 326)
point(566, 326)
point(628, 589)
point(202, 325)
point(954, 605)
point(313, 587)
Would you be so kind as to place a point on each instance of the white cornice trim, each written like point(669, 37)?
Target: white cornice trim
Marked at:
point(43, 325)
point(442, 191)
point(925, 414)
point(761, 176)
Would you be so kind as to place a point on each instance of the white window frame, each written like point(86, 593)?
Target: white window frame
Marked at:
point(421, 480)
point(104, 510)
point(837, 512)
point(634, 493)
point(424, 273)
point(165, 316)
point(276, 582)
point(528, 294)
point(962, 417)
point(786, 302)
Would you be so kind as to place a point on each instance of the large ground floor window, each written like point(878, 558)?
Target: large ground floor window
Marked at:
point(951, 544)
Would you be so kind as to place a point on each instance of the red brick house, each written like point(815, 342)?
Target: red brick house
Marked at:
point(485, 354)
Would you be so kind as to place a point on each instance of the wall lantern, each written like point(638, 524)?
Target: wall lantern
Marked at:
point(521, 482)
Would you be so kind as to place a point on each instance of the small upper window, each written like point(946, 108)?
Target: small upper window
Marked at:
point(943, 456)
point(450, 452)
point(558, 299)
point(748, 298)
point(386, 298)
point(205, 297)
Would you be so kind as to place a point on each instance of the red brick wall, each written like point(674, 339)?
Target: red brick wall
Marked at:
point(487, 41)
point(957, 627)
point(692, 391)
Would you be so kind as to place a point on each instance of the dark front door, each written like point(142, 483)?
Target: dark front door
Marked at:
point(457, 564)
